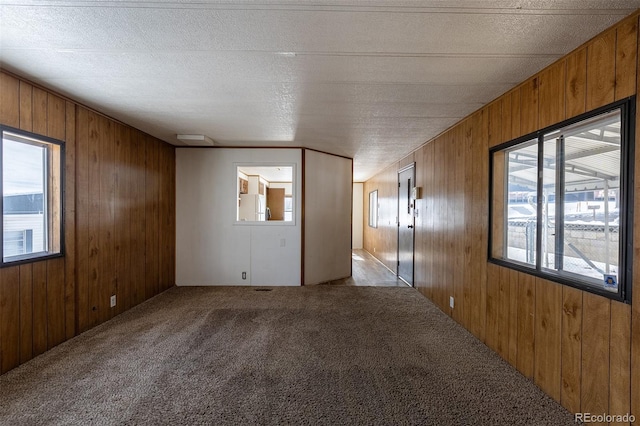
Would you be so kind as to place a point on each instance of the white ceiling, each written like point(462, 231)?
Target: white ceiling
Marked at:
point(369, 79)
point(274, 174)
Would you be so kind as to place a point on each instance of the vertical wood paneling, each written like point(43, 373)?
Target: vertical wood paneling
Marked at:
point(601, 74)
point(576, 83)
point(56, 117)
point(596, 325)
point(495, 124)
point(529, 106)
point(106, 203)
point(138, 217)
point(503, 313)
point(478, 250)
point(406, 161)
point(620, 359)
point(470, 280)
point(506, 119)
point(123, 218)
point(430, 205)
point(10, 317)
point(55, 302)
point(82, 220)
point(596, 353)
point(514, 283)
point(516, 114)
point(26, 111)
point(39, 111)
point(40, 324)
point(94, 277)
point(459, 226)
point(526, 324)
point(547, 338)
point(46, 302)
point(70, 221)
point(438, 227)
point(26, 312)
point(449, 222)
point(151, 218)
point(626, 58)
point(551, 93)
point(10, 105)
point(571, 348)
point(481, 204)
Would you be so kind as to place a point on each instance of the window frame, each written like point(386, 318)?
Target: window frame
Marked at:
point(294, 194)
point(627, 108)
point(44, 141)
point(374, 206)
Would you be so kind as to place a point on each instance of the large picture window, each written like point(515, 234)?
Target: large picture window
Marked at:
point(31, 186)
point(559, 202)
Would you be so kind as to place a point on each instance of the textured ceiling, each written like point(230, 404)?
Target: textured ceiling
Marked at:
point(371, 79)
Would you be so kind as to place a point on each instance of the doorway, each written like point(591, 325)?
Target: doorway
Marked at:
point(406, 223)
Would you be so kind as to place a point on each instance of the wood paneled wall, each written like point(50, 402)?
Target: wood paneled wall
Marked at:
point(119, 225)
point(581, 349)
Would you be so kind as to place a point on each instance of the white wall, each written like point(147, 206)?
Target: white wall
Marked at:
point(328, 186)
point(212, 248)
point(358, 218)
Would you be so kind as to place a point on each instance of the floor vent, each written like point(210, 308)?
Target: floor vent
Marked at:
point(263, 289)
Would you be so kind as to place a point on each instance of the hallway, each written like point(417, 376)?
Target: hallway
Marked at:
point(367, 271)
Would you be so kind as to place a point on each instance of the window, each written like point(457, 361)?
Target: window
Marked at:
point(559, 198)
point(31, 187)
point(288, 208)
point(373, 209)
point(265, 194)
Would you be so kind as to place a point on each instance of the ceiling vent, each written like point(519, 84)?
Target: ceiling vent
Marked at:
point(196, 140)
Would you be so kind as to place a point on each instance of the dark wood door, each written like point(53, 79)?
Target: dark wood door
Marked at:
point(275, 203)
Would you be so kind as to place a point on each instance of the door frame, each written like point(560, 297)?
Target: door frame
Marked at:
point(411, 166)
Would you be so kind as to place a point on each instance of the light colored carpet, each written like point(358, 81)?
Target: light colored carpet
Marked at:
point(303, 355)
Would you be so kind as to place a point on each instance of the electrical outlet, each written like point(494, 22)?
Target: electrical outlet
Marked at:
point(283, 242)
point(244, 275)
point(451, 302)
point(113, 301)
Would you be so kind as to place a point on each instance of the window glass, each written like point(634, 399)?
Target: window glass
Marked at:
point(548, 200)
point(515, 199)
point(31, 197)
point(288, 208)
point(373, 209)
point(563, 193)
point(591, 188)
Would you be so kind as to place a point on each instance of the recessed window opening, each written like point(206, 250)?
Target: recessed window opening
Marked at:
point(265, 194)
point(558, 202)
point(31, 189)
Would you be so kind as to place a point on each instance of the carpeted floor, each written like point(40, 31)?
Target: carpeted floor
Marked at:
point(302, 355)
